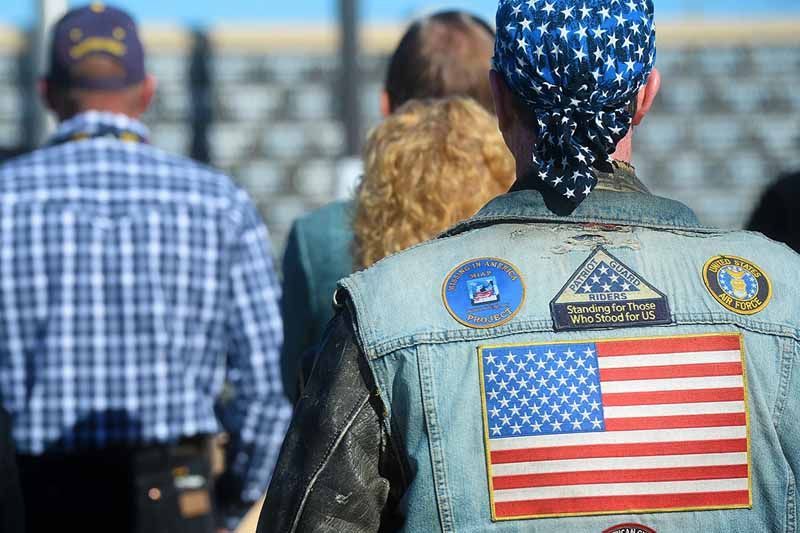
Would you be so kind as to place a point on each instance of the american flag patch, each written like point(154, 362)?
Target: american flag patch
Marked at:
point(616, 426)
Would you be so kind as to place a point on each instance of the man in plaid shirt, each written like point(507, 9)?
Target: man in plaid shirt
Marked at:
point(133, 285)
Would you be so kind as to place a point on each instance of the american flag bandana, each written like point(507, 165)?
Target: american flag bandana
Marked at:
point(616, 426)
point(577, 65)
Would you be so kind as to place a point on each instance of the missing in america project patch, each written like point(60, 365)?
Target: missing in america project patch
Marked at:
point(484, 292)
point(604, 293)
point(615, 426)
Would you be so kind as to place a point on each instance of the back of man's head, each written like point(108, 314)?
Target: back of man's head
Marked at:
point(571, 73)
point(97, 62)
point(445, 54)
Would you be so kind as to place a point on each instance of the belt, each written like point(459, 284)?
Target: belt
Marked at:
point(195, 445)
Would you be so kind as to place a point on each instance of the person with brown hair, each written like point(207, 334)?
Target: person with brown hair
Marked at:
point(444, 54)
point(431, 164)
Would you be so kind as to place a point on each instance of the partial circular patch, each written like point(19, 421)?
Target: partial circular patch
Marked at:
point(629, 528)
point(485, 292)
point(737, 284)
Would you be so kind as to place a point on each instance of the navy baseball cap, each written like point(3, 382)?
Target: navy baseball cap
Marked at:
point(96, 29)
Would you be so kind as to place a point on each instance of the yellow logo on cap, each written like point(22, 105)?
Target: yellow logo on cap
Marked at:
point(75, 34)
point(118, 33)
point(98, 7)
point(98, 44)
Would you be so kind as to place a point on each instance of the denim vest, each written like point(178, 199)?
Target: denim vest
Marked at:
point(429, 371)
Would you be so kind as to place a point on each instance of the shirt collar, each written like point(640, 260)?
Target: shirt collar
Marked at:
point(623, 179)
point(622, 201)
point(100, 123)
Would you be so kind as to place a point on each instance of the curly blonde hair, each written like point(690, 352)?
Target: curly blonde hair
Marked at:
point(429, 165)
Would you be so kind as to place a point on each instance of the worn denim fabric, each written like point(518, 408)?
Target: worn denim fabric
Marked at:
point(318, 254)
point(426, 366)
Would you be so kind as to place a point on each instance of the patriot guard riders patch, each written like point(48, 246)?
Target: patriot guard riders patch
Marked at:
point(737, 284)
point(483, 293)
point(615, 426)
point(604, 293)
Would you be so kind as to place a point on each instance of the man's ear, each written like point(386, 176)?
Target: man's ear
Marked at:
point(647, 96)
point(502, 100)
point(149, 86)
point(386, 104)
point(46, 94)
point(55, 99)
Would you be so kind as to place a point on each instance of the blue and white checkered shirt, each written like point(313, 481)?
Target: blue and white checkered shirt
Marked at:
point(133, 283)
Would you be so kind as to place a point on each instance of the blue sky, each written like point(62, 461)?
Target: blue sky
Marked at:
point(210, 11)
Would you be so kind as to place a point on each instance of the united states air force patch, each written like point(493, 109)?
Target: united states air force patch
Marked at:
point(737, 284)
point(484, 292)
point(605, 293)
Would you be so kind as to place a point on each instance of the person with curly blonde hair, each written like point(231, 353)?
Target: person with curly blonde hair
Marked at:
point(442, 54)
point(429, 165)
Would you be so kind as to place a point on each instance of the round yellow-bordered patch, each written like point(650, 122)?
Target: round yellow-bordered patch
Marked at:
point(484, 292)
point(737, 284)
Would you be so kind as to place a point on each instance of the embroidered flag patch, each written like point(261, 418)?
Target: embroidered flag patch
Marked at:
point(604, 293)
point(616, 426)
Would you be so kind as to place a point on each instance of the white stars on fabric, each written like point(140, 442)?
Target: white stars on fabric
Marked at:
point(557, 390)
point(554, 53)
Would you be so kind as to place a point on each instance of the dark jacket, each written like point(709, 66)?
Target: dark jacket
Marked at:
point(350, 477)
point(318, 254)
point(777, 215)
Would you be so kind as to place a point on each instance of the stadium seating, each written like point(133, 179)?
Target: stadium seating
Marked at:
point(9, 102)
point(172, 137)
point(726, 124)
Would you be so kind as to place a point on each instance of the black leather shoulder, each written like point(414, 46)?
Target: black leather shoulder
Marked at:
point(337, 470)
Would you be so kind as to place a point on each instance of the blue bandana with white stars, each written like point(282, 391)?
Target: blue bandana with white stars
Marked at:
point(576, 65)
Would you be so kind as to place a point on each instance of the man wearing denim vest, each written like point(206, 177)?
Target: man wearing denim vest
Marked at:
point(579, 356)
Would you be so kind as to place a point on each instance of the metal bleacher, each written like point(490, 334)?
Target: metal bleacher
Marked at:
point(726, 124)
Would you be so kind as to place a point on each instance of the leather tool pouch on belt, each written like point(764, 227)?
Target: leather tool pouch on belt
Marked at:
point(172, 489)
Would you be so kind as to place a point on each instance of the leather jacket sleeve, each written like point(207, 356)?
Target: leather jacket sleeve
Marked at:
point(338, 470)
